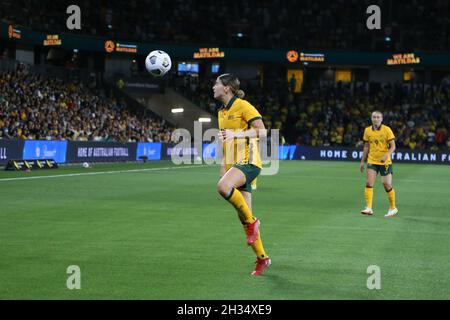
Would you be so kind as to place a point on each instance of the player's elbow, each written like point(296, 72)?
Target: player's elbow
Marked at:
point(366, 147)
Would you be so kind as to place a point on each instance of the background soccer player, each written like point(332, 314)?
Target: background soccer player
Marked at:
point(379, 144)
point(241, 125)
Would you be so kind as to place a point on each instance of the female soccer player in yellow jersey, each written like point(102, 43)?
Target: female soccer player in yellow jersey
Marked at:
point(379, 144)
point(240, 125)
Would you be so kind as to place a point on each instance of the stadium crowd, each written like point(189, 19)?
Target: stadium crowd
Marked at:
point(335, 114)
point(325, 114)
point(34, 107)
point(316, 24)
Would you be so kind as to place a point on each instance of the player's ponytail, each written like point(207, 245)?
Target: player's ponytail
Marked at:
point(240, 94)
point(233, 82)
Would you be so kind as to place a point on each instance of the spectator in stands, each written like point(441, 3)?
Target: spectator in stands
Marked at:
point(120, 84)
point(334, 114)
point(312, 24)
point(34, 107)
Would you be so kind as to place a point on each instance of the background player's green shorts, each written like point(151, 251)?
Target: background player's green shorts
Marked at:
point(251, 172)
point(383, 170)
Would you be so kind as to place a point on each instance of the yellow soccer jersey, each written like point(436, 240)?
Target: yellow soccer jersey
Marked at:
point(379, 143)
point(238, 116)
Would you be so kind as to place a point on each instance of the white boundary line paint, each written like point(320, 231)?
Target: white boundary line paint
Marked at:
point(101, 172)
point(398, 180)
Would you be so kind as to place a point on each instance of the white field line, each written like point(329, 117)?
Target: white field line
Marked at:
point(362, 178)
point(100, 172)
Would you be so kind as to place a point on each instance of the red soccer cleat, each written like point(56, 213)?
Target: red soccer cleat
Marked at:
point(261, 265)
point(252, 230)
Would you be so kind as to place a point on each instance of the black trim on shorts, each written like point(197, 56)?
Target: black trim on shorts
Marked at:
point(245, 168)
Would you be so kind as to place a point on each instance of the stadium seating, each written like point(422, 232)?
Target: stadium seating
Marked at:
point(36, 107)
point(335, 114)
point(315, 24)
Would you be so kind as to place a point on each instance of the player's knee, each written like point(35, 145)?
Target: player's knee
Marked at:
point(224, 189)
point(387, 186)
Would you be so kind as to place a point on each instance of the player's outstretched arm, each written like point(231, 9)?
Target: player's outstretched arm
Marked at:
point(364, 157)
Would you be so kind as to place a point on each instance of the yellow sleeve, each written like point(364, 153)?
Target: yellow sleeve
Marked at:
point(390, 134)
point(366, 136)
point(249, 113)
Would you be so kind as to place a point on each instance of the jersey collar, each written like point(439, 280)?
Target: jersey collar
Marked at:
point(230, 103)
point(379, 129)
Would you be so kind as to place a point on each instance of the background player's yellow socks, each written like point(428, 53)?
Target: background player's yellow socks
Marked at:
point(368, 194)
point(258, 248)
point(254, 184)
point(391, 197)
point(237, 200)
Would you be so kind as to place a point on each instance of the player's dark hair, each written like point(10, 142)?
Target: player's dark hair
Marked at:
point(233, 82)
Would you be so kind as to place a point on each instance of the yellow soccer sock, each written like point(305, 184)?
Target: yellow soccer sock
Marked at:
point(258, 248)
point(237, 200)
point(368, 194)
point(391, 197)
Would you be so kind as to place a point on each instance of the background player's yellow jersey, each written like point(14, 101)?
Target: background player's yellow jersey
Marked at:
point(379, 143)
point(238, 115)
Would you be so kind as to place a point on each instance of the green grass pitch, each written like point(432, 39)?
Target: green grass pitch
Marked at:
point(165, 233)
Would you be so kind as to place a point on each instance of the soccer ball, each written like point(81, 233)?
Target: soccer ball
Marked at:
point(158, 63)
point(86, 165)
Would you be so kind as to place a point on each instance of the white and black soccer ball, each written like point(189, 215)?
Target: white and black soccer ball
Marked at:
point(158, 63)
